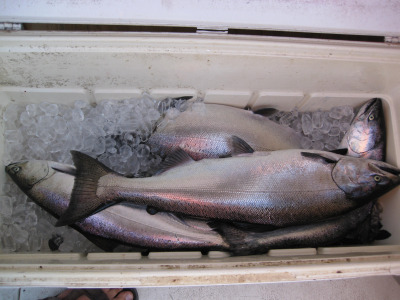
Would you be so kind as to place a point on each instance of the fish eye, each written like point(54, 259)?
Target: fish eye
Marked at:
point(15, 169)
point(377, 178)
point(371, 117)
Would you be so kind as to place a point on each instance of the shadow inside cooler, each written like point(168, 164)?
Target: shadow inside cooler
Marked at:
point(51, 85)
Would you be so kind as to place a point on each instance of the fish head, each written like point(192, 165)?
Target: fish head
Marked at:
point(364, 179)
point(28, 173)
point(367, 133)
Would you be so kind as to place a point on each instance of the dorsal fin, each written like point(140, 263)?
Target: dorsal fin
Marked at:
point(239, 146)
point(266, 112)
point(324, 157)
point(177, 158)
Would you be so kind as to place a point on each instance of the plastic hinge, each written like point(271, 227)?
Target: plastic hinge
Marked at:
point(212, 30)
point(7, 26)
point(392, 39)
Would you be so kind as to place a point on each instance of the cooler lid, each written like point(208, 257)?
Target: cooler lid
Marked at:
point(367, 17)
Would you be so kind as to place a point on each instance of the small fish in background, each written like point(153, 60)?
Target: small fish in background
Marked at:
point(278, 188)
point(366, 136)
point(49, 184)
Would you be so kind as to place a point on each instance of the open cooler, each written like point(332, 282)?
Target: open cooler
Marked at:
point(223, 59)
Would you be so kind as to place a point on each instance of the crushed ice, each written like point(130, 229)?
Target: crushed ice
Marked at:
point(114, 132)
point(321, 130)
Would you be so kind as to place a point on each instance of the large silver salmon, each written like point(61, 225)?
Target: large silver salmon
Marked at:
point(208, 133)
point(211, 132)
point(279, 188)
point(49, 184)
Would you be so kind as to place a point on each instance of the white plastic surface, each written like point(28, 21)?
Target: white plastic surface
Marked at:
point(368, 17)
point(239, 71)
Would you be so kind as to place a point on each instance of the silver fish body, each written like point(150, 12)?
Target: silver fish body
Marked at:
point(46, 184)
point(366, 137)
point(208, 133)
point(323, 233)
point(279, 188)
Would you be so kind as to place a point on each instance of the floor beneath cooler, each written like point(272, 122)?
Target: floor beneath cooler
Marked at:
point(374, 287)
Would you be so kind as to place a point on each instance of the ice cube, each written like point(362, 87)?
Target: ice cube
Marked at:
point(336, 112)
point(20, 235)
point(133, 164)
point(49, 109)
point(8, 243)
point(125, 151)
point(89, 142)
point(316, 135)
point(99, 146)
point(31, 110)
point(331, 144)
point(287, 119)
point(317, 119)
point(34, 144)
point(25, 119)
point(35, 241)
point(31, 218)
point(6, 205)
point(318, 145)
point(112, 150)
point(306, 143)
point(172, 113)
point(335, 123)
point(46, 134)
point(67, 116)
point(6, 189)
point(77, 115)
point(143, 150)
point(335, 131)
point(306, 123)
point(81, 104)
point(103, 158)
point(344, 126)
point(60, 126)
point(110, 142)
point(13, 136)
point(347, 110)
point(326, 123)
point(296, 125)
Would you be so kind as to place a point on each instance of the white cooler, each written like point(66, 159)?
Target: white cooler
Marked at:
point(222, 51)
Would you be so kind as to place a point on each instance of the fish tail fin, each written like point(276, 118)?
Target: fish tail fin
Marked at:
point(84, 201)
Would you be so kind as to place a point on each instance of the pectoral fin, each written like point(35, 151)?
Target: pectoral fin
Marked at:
point(239, 146)
point(177, 158)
